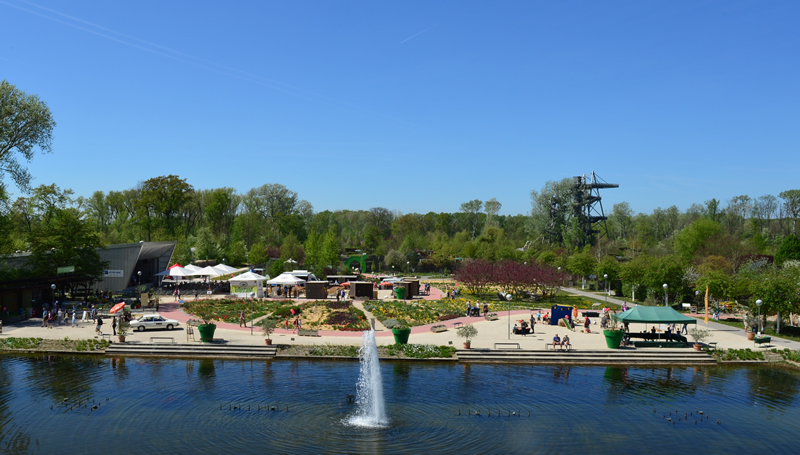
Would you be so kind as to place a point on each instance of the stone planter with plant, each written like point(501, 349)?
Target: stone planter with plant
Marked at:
point(123, 327)
point(699, 336)
point(268, 326)
point(467, 332)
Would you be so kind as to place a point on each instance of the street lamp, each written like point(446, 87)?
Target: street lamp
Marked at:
point(53, 287)
point(666, 296)
point(408, 265)
point(605, 281)
point(561, 277)
point(759, 303)
point(140, 286)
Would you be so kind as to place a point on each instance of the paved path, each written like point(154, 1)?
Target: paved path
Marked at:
point(489, 332)
point(595, 296)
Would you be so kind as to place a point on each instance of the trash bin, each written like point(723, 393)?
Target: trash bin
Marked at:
point(400, 293)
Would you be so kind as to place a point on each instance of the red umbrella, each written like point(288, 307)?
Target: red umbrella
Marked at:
point(386, 283)
point(117, 307)
point(346, 283)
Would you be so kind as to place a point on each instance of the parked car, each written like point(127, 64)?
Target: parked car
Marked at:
point(153, 321)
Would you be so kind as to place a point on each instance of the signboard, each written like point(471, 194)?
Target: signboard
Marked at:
point(113, 273)
point(244, 289)
point(67, 269)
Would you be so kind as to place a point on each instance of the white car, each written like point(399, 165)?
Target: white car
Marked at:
point(153, 321)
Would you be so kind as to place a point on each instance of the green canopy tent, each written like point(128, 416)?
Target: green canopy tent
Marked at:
point(655, 315)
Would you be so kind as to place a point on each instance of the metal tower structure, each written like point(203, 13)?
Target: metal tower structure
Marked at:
point(587, 206)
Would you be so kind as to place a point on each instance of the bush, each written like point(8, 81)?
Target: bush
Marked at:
point(343, 305)
point(391, 323)
point(421, 351)
point(286, 312)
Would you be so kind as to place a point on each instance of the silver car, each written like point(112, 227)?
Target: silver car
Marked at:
point(153, 321)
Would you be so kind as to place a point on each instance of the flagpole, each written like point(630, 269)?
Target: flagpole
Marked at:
point(706, 305)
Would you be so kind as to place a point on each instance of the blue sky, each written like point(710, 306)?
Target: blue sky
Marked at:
point(415, 106)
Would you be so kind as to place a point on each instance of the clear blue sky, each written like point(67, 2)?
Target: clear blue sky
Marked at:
point(415, 106)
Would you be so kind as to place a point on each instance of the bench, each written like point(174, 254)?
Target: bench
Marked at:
point(507, 346)
point(308, 333)
point(550, 345)
point(457, 324)
point(105, 336)
point(762, 340)
point(712, 344)
point(659, 344)
point(162, 339)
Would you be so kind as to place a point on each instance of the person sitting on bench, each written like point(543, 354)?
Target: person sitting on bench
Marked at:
point(556, 342)
point(565, 342)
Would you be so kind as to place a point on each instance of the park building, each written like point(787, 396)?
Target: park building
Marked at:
point(128, 265)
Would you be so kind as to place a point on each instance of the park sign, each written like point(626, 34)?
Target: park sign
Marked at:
point(66, 269)
point(113, 273)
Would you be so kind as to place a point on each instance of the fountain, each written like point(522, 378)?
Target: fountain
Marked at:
point(370, 406)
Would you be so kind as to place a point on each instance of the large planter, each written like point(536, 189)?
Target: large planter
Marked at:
point(400, 293)
point(401, 335)
point(751, 336)
point(121, 338)
point(467, 344)
point(207, 332)
point(268, 341)
point(697, 346)
point(613, 338)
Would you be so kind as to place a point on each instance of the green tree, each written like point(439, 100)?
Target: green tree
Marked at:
point(160, 204)
point(789, 249)
point(791, 203)
point(25, 125)
point(395, 261)
point(491, 207)
point(472, 210)
point(257, 255)
point(694, 237)
point(582, 264)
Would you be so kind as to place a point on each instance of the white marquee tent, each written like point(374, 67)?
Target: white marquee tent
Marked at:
point(248, 283)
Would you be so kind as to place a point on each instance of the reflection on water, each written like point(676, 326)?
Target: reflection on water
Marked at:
point(281, 406)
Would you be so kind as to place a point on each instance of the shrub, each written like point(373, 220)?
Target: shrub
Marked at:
point(420, 351)
point(286, 312)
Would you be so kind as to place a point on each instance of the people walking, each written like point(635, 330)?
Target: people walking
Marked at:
point(242, 322)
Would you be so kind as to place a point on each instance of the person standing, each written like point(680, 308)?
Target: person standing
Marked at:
point(73, 318)
point(114, 326)
point(242, 322)
point(99, 325)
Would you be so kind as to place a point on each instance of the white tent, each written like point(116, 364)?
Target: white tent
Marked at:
point(286, 279)
point(192, 268)
point(177, 272)
point(225, 268)
point(208, 271)
point(247, 284)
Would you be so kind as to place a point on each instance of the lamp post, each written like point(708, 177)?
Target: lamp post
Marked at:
point(605, 281)
point(53, 288)
point(561, 277)
point(140, 285)
point(759, 303)
point(666, 296)
point(408, 265)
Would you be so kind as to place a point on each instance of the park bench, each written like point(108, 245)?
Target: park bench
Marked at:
point(659, 344)
point(550, 345)
point(308, 333)
point(162, 340)
point(762, 340)
point(507, 346)
point(457, 324)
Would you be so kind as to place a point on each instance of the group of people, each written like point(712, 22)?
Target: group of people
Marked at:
point(475, 310)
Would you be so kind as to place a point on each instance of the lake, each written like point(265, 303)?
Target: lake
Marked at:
point(63, 404)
